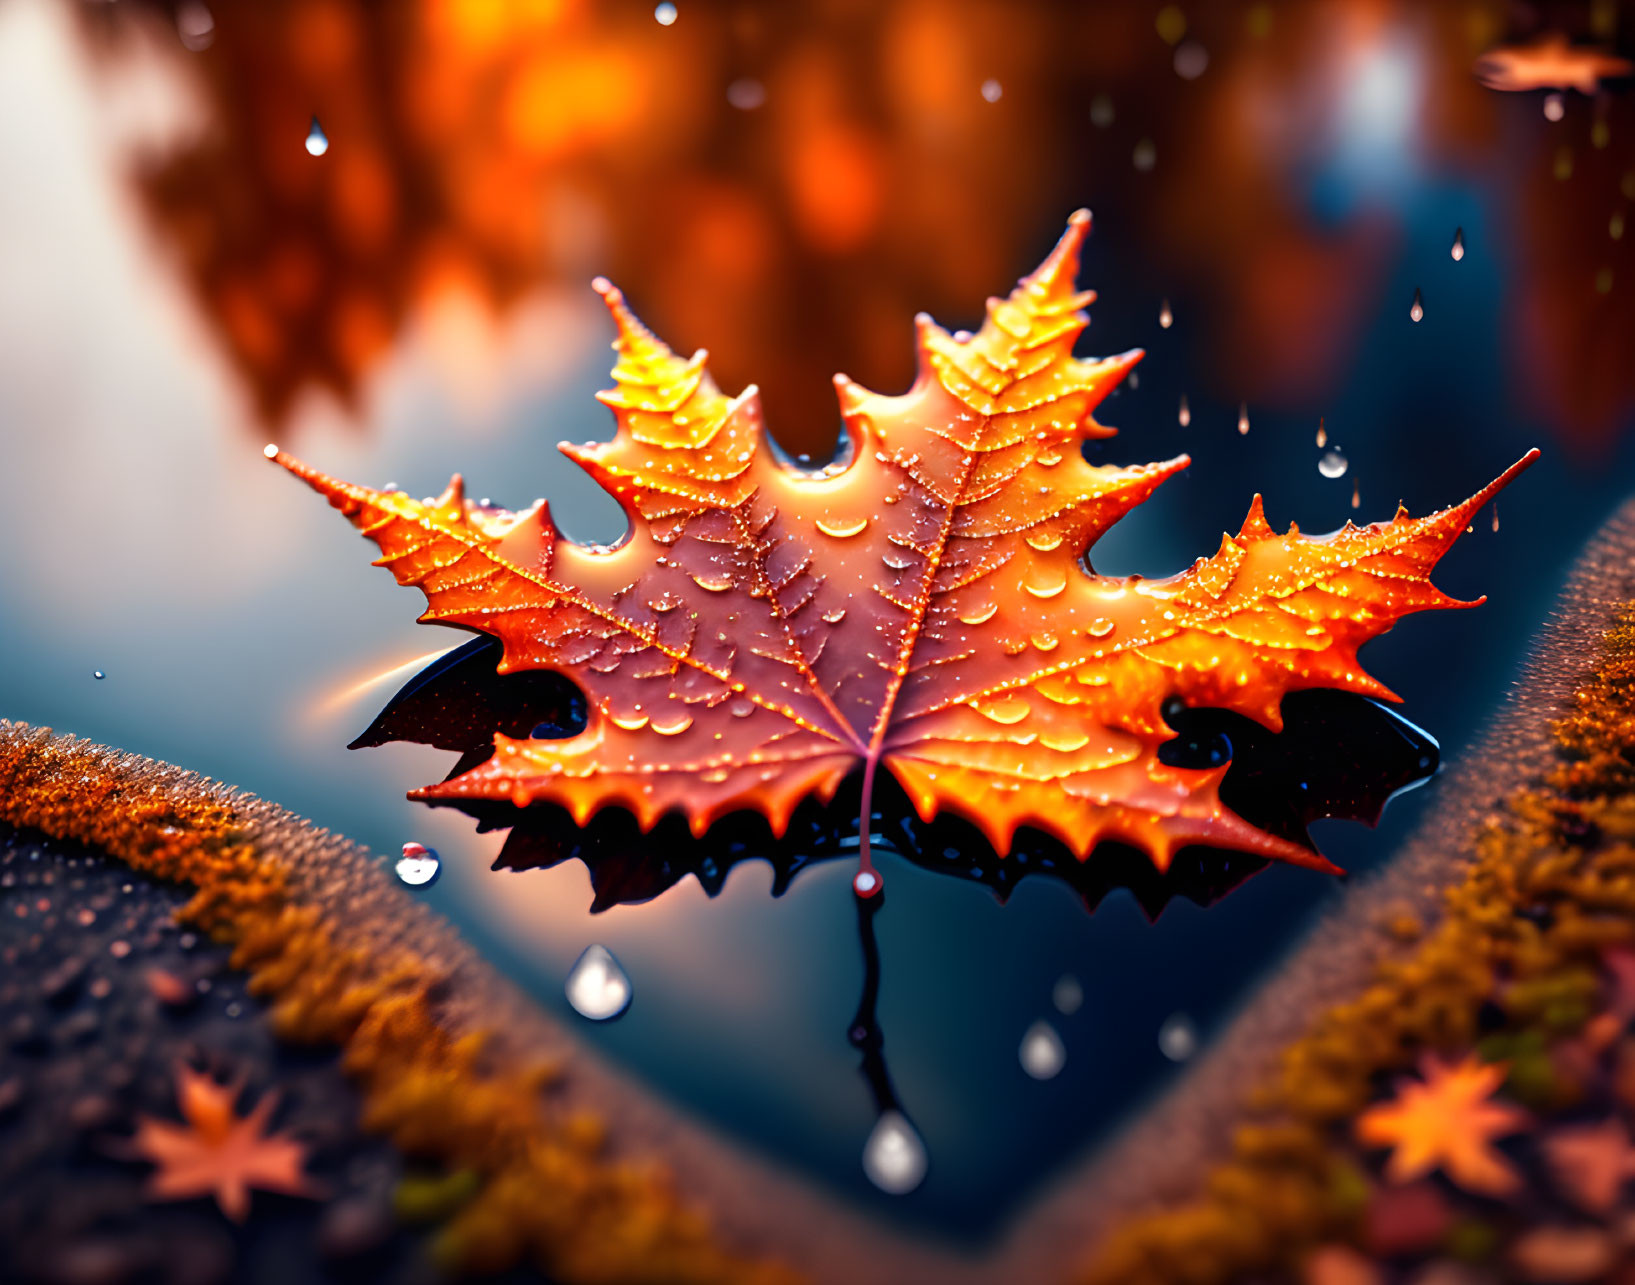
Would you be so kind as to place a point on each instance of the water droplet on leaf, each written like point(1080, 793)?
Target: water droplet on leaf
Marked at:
point(98, 674)
point(419, 865)
point(894, 1157)
point(597, 986)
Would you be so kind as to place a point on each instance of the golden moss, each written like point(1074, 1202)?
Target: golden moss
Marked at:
point(519, 1182)
point(1551, 884)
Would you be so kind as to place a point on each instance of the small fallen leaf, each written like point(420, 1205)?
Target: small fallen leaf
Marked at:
point(1447, 1121)
point(217, 1152)
point(1591, 1163)
point(1563, 1255)
point(1408, 1219)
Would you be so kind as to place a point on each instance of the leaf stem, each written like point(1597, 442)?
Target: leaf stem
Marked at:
point(867, 882)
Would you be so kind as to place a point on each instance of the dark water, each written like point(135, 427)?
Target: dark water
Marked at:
point(231, 613)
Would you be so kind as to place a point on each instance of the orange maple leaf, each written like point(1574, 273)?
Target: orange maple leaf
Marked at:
point(1446, 1121)
point(218, 1152)
point(763, 630)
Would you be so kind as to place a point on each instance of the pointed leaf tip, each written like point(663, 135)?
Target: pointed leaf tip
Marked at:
point(1060, 270)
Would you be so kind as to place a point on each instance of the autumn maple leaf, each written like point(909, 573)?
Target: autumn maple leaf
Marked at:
point(763, 630)
point(217, 1152)
point(1447, 1121)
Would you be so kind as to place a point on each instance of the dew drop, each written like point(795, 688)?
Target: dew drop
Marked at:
point(1067, 994)
point(673, 723)
point(1333, 463)
point(317, 140)
point(1458, 250)
point(270, 450)
point(664, 14)
point(1243, 419)
point(1555, 107)
point(597, 986)
point(98, 675)
point(1042, 1054)
point(1416, 310)
point(992, 90)
point(419, 865)
point(835, 615)
point(841, 529)
point(1184, 415)
point(894, 1156)
point(1166, 318)
point(978, 615)
point(1100, 627)
point(740, 707)
point(866, 883)
point(1177, 1037)
point(1322, 435)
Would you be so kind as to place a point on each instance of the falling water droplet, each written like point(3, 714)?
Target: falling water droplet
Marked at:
point(1495, 517)
point(1166, 318)
point(746, 94)
point(1416, 310)
point(195, 26)
point(597, 987)
point(894, 1156)
point(419, 865)
point(1322, 434)
point(1043, 1055)
point(992, 90)
point(1555, 107)
point(1067, 994)
point(866, 883)
point(1184, 415)
point(98, 674)
point(664, 14)
point(1243, 419)
point(1177, 1037)
point(1356, 494)
point(317, 140)
point(1458, 250)
point(1333, 463)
